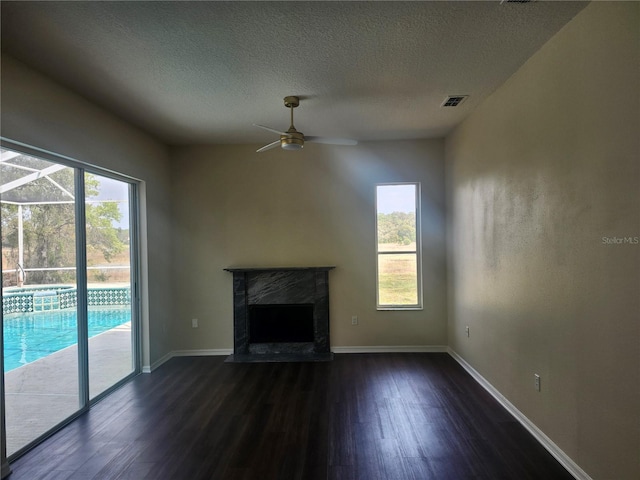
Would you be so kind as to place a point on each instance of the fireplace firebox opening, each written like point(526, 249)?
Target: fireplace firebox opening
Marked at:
point(280, 323)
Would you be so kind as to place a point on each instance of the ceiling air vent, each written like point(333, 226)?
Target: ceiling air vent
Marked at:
point(454, 100)
point(516, 1)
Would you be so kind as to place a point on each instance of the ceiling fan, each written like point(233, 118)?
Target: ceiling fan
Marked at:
point(292, 139)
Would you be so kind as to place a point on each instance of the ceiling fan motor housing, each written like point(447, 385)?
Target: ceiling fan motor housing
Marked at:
point(292, 141)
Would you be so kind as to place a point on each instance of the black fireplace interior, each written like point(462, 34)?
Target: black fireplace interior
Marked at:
point(281, 323)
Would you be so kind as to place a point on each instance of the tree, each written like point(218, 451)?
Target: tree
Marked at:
point(397, 227)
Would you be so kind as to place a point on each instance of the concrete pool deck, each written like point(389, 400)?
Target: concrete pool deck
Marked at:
point(43, 393)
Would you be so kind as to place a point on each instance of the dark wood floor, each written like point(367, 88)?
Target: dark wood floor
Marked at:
point(370, 416)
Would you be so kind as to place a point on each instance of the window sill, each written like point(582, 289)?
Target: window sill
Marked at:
point(385, 308)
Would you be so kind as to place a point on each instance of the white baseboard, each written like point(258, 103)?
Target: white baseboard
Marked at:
point(392, 349)
point(356, 349)
point(566, 461)
point(157, 363)
point(186, 353)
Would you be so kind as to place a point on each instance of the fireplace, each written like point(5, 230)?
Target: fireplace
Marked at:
point(280, 314)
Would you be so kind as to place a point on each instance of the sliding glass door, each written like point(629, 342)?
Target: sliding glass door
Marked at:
point(111, 342)
point(68, 266)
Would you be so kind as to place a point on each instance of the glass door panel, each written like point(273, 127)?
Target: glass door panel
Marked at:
point(111, 340)
point(39, 296)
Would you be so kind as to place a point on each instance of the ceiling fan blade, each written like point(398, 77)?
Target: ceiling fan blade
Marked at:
point(269, 146)
point(330, 141)
point(270, 129)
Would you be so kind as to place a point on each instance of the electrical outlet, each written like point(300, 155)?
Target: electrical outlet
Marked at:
point(194, 323)
point(354, 320)
point(467, 330)
point(536, 380)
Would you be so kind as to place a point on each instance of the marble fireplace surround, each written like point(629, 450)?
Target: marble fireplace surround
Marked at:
point(280, 286)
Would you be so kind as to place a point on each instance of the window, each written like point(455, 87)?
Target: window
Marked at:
point(398, 246)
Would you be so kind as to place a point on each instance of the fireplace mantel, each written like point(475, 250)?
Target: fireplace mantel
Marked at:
point(277, 269)
point(277, 286)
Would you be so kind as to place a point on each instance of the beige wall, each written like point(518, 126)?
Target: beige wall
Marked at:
point(42, 114)
point(537, 176)
point(234, 207)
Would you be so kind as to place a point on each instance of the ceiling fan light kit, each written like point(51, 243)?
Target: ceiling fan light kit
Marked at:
point(292, 139)
point(293, 142)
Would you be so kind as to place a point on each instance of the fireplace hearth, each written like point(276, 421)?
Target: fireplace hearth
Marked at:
point(280, 314)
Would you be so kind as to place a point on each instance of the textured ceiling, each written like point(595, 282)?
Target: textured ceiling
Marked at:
point(203, 72)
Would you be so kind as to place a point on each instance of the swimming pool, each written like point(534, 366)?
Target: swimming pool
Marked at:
point(30, 336)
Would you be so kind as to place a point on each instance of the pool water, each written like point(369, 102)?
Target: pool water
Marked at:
point(30, 336)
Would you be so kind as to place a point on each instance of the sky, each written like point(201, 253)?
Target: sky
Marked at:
point(396, 198)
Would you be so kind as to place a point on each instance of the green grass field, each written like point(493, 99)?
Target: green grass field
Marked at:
point(398, 279)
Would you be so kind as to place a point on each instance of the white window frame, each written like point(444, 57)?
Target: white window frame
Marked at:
point(417, 252)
